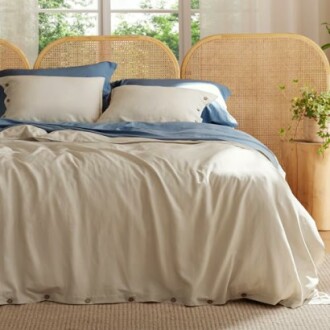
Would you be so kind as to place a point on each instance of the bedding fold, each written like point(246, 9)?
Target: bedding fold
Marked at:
point(89, 218)
point(161, 131)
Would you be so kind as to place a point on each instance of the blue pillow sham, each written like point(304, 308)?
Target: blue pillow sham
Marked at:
point(102, 69)
point(214, 113)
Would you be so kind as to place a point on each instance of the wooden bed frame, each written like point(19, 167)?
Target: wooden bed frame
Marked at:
point(251, 65)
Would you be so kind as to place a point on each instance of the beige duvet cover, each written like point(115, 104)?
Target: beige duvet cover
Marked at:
point(90, 219)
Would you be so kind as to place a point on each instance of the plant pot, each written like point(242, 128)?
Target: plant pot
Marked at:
point(310, 130)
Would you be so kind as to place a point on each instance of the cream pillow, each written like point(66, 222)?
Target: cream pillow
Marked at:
point(156, 104)
point(52, 98)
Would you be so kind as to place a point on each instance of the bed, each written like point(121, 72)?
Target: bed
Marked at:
point(146, 189)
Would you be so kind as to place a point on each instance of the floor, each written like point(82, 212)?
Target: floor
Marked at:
point(326, 238)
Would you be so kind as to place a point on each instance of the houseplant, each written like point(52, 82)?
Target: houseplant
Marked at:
point(326, 46)
point(314, 109)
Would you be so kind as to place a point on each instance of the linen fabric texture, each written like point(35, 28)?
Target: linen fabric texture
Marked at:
point(53, 99)
point(156, 104)
point(101, 69)
point(191, 228)
point(215, 112)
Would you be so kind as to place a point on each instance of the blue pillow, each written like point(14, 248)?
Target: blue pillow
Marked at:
point(102, 69)
point(214, 113)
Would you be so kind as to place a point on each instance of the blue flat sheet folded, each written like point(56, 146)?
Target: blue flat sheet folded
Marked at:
point(162, 131)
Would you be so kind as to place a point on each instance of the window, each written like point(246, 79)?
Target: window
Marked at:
point(175, 22)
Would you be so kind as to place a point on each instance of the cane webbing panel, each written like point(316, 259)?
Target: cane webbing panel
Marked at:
point(12, 57)
point(136, 56)
point(253, 67)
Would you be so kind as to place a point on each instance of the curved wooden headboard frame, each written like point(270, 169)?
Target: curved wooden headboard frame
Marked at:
point(253, 66)
point(11, 57)
point(136, 56)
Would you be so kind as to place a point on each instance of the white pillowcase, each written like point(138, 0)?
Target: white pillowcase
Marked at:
point(156, 104)
point(53, 99)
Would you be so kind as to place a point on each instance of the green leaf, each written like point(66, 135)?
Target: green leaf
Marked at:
point(326, 46)
point(311, 104)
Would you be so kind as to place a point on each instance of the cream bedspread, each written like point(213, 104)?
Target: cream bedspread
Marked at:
point(90, 219)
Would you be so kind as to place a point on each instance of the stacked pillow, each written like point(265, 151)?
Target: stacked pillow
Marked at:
point(134, 103)
point(214, 112)
point(82, 93)
point(53, 99)
point(57, 94)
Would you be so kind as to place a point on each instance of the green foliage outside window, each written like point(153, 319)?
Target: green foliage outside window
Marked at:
point(162, 27)
point(58, 25)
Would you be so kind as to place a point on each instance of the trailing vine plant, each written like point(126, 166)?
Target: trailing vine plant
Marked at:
point(310, 104)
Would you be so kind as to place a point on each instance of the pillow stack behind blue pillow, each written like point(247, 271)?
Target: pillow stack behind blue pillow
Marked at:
point(102, 69)
point(214, 113)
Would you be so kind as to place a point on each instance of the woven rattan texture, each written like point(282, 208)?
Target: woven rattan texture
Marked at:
point(11, 57)
point(253, 67)
point(136, 56)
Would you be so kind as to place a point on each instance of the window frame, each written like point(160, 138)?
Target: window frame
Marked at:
point(104, 12)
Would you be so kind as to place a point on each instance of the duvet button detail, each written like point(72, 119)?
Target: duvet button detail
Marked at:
point(87, 300)
point(131, 299)
point(7, 100)
point(210, 301)
point(9, 301)
point(6, 85)
point(206, 98)
point(46, 296)
point(198, 109)
point(244, 295)
point(173, 300)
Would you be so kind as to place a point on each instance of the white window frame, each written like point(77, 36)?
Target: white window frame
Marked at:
point(104, 12)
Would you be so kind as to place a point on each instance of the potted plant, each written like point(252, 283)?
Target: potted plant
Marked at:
point(314, 109)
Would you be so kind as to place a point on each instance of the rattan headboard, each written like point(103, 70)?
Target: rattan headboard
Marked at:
point(12, 57)
point(136, 56)
point(253, 67)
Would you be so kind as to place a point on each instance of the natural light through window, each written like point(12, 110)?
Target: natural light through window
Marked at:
point(174, 22)
point(137, 4)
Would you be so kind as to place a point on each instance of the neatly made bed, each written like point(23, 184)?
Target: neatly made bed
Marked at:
point(145, 189)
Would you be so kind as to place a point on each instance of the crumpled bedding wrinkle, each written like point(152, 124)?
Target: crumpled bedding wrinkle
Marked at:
point(212, 228)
